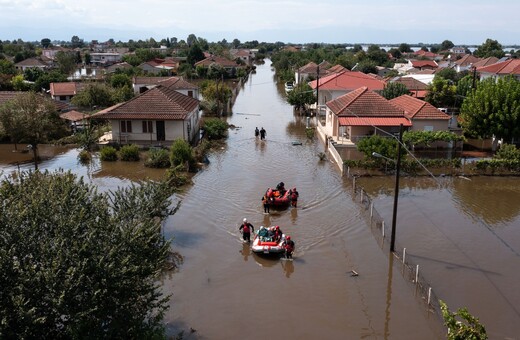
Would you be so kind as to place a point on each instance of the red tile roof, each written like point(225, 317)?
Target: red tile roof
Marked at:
point(417, 109)
point(511, 66)
point(348, 81)
point(373, 121)
point(149, 80)
point(363, 102)
point(73, 116)
point(486, 62)
point(159, 103)
point(424, 63)
point(426, 54)
point(467, 59)
point(337, 69)
point(177, 83)
point(217, 60)
point(412, 83)
point(64, 89)
point(312, 68)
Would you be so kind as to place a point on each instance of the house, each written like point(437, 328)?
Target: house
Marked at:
point(427, 55)
point(142, 84)
point(458, 50)
point(423, 64)
point(64, 92)
point(119, 66)
point(506, 68)
point(465, 63)
point(6, 96)
point(362, 113)
point(75, 119)
point(105, 58)
point(31, 63)
point(230, 66)
point(243, 54)
point(337, 84)
point(160, 115)
point(152, 67)
point(424, 116)
point(307, 71)
point(50, 53)
point(417, 88)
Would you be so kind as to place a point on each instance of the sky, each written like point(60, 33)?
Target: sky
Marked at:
point(464, 22)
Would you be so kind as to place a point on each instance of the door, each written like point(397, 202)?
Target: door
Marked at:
point(161, 134)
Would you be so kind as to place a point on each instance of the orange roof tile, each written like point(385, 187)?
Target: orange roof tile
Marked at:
point(217, 60)
point(73, 116)
point(63, 89)
point(363, 102)
point(159, 103)
point(348, 81)
point(424, 63)
point(511, 66)
point(417, 109)
point(176, 83)
point(373, 121)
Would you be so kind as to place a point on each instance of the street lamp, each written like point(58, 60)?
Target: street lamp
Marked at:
point(396, 191)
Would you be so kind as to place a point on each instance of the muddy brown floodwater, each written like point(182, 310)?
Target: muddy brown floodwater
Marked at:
point(463, 233)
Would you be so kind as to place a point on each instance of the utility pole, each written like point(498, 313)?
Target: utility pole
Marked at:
point(396, 191)
point(318, 89)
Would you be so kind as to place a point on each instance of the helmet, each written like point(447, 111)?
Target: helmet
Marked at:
point(262, 227)
point(244, 220)
point(294, 189)
point(277, 227)
point(288, 237)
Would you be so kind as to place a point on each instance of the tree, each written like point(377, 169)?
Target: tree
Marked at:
point(120, 80)
point(66, 62)
point(94, 95)
point(32, 73)
point(490, 48)
point(76, 263)
point(405, 48)
point(493, 109)
point(301, 96)
point(394, 90)
point(194, 54)
point(235, 43)
point(382, 145)
point(46, 42)
point(19, 83)
point(467, 327)
point(191, 40)
point(32, 119)
point(447, 73)
point(181, 153)
point(441, 92)
point(76, 42)
point(446, 45)
point(7, 67)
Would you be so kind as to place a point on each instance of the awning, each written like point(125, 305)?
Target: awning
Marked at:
point(373, 121)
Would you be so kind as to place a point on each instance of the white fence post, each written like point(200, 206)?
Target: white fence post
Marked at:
point(371, 209)
point(383, 228)
point(404, 255)
point(417, 274)
point(429, 295)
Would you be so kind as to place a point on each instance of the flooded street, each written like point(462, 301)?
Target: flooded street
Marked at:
point(225, 292)
point(464, 234)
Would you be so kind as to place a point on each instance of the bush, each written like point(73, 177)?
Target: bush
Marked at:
point(108, 153)
point(215, 128)
point(129, 153)
point(180, 153)
point(508, 151)
point(84, 156)
point(158, 158)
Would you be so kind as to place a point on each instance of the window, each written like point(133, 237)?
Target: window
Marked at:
point(63, 98)
point(190, 94)
point(126, 126)
point(428, 128)
point(147, 126)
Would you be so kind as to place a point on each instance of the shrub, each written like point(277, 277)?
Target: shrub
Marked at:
point(180, 153)
point(84, 156)
point(508, 151)
point(215, 128)
point(129, 153)
point(158, 158)
point(108, 153)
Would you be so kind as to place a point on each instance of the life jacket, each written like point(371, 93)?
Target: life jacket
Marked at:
point(245, 228)
point(294, 195)
point(289, 245)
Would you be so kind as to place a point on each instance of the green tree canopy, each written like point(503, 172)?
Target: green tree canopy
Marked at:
point(79, 264)
point(493, 108)
point(94, 95)
point(66, 62)
point(490, 48)
point(32, 119)
point(301, 96)
point(446, 45)
point(194, 54)
point(441, 92)
point(46, 42)
point(394, 90)
point(462, 325)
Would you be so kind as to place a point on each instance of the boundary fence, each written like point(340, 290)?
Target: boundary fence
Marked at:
point(409, 270)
